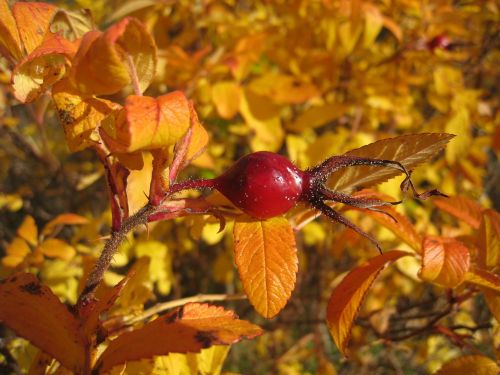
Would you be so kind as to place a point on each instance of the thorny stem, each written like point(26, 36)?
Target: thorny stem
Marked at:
point(192, 184)
point(110, 248)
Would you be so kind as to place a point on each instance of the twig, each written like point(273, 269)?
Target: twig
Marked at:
point(160, 307)
point(110, 248)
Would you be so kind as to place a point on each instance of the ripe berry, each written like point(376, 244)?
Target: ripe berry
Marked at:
point(264, 185)
point(439, 41)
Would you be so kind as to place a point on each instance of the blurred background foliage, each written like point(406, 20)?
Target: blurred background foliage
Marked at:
point(308, 79)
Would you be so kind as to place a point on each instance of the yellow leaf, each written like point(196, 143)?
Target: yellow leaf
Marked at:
point(160, 267)
point(458, 124)
point(445, 261)
point(262, 116)
point(347, 297)
point(138, 182)
point(266, 257)
point(469, 364)
point(226, 98)
point(56, 248)
point(199, 137)
point(210, 360)
point(28, 230)
point(317, 116)
point(410, 150)
point(34, 312)
point(447, 80)
point(46, 65)
point(79, 116)
point(373, 25)
point(283, 89)
point(147, 123)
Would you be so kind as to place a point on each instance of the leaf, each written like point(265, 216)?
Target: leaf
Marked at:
point(47, 64)
point(16, 251)
point(35, 313)
point(79, 116)
point(493, 301)
point(63, 219)
point(266, 257)
point(10, 42)
point(91, 312)
point(283, 89)
point(28, 230)
point(199, 137)
point(445, 261)
point(469, 364)
point(489, 239)
point(483, 278)
point(458, 124)
point(317, 116)
point(188, 329)
point(462, 208)
point(402, 227)
point(56, 248)
point(262, 117)
point(347, 297)
point(72, 24)
point(102, 64)
point(33, 21)
point(409, 150)
point(148, 123)
point(226, 98)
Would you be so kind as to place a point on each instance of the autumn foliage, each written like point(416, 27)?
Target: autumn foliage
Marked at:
point(123, 251)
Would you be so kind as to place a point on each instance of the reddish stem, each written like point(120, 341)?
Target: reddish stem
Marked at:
point(192, 184)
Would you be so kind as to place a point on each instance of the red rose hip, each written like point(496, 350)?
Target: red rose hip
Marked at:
point(262, 184)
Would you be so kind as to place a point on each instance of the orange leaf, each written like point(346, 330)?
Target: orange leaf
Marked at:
point(63, 219)
point(445, 261)
point(347, 297)
point(56, 248)
point(79, 116)
point(489, 239)
point(91, 312)
point(186, 330)
point(43, 67)
point(199, 137)
point(410, 150)
point(469, 364)
point(483, 278)
point(266, 257)
point(10, 42)
point(28, 230)
point(16, 252)
point(283, 89)
point(148, 123)
point(402, 228)
point(102, 65)
point(35, 313)
point(33, 22)
point(462, 208)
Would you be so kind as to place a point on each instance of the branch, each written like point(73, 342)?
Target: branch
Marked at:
point(110, 248)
